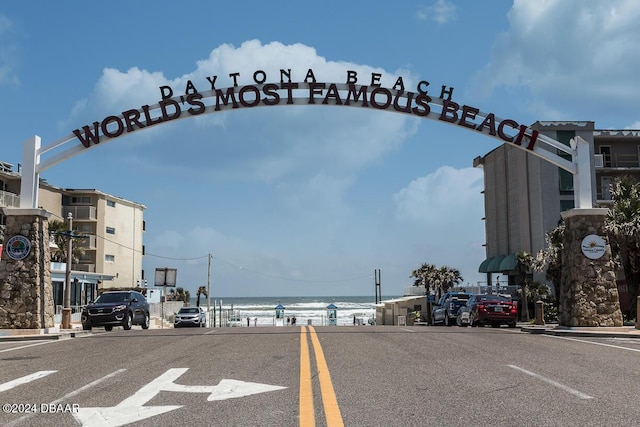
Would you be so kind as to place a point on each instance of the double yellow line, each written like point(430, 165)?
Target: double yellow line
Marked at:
point(329, 401)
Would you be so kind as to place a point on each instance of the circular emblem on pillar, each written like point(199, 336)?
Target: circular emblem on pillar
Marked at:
point(18, 247)
point(593, 246)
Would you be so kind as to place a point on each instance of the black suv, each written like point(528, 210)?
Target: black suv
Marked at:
point(111, 309)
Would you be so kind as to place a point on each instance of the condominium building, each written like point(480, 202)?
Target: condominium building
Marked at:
point(112, 228)
point(524, 195)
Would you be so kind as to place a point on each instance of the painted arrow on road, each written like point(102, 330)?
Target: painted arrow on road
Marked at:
point(131, 409)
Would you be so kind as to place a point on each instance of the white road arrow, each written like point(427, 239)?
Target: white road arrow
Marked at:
point(131, 409)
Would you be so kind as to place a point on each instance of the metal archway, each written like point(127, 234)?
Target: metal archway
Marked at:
point(37, 159)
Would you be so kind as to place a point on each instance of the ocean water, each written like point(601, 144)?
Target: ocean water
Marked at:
point(261, 311)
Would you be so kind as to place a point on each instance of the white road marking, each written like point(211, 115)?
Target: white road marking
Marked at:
point(131, 409)
point(595, 343)
point(66, 397)
point(23, 380)
point(26, 346)
point(566, 388)
point(407, 330)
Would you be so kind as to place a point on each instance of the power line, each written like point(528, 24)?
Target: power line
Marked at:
point(239, 267)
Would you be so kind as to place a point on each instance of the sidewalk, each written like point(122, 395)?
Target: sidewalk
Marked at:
point(56, 333)
point(627, 331)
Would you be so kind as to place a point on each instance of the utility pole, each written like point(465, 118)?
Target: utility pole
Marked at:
point(66, 303)
point(209, 295)
point(378, 285)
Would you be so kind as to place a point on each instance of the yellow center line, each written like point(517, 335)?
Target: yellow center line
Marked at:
point(307, 415)
point(329, 401)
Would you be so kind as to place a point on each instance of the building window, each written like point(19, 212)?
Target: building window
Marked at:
point(81, 200)
point(111, 230)
point(605, 150)
point(566, 205)
point(111, 203)
point(110, 258)
point(566, 178)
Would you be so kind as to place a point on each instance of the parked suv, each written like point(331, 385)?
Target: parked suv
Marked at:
point(190, 316)
point(446, 309)
point(121, 308)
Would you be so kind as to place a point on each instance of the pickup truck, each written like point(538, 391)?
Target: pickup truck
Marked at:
point(445, 310)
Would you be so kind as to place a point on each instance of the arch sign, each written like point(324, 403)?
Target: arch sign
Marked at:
point(204, 97)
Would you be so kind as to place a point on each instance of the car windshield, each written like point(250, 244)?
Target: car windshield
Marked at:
point(188, 310)
point(112, 297)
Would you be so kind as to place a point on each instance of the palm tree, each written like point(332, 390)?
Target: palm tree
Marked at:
point(180, 294)
point(623, 227)
point(424, 276)
point(449, 277)
point(438, 279)
point(524, 260)
point(201, 291)
point(59, 234)
point(550, 258)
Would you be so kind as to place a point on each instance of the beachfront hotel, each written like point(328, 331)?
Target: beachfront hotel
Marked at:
point(112, 251)
point(524, 195)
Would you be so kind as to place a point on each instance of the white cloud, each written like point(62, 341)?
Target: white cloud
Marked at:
point(574, 57)
point(7, 53)
point(277, 145)
point(441, 12)
point(446, 197)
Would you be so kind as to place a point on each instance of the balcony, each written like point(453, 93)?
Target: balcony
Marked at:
point(89, 268)
point(80, 212)
point(9, 200)
point(87, 242)
point(616, 161)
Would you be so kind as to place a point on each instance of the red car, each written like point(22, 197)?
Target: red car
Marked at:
point(493, 310)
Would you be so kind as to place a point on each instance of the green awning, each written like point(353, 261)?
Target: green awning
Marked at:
point(484, 265)
point(494, 265)
point(509, 263)
point(499, 264)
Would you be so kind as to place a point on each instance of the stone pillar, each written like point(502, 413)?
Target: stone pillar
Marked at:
point(588, 292)
point(26, 294)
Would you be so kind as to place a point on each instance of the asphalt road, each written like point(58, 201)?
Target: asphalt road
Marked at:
point(291, 376)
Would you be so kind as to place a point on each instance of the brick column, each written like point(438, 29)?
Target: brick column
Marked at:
point(588, 293)
point(26, 294)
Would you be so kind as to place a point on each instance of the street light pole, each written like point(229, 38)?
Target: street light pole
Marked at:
point(66, 307)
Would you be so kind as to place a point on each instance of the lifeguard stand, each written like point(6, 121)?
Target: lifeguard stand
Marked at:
point(279, 314)
point(332, 314)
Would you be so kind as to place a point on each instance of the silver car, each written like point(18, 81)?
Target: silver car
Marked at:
point(190, 316)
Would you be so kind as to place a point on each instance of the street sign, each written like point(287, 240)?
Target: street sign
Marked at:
point(166, 277)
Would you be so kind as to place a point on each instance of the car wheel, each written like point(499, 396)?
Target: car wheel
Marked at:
point(433, 320)
point(128, 321)
point(86, 327)
point(512, 324)
point(145, 323)
point(495, 325)
point(446, 319)
point(108, 328)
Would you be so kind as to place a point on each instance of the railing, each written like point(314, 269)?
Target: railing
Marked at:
point(87, 242)
point(80, 212)
point(89, 268)
point(615, 160)
point(76, 312)
point(9, 199)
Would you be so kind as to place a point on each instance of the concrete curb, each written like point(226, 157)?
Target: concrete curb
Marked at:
point(601, 332)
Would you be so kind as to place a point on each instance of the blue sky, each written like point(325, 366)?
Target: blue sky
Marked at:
point(307, 200)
